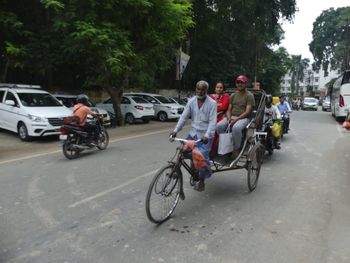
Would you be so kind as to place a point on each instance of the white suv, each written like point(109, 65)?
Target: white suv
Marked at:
point(30, 111)
point(164, 108)
point(132, 107)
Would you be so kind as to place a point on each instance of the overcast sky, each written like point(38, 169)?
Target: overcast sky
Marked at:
point(299, 34)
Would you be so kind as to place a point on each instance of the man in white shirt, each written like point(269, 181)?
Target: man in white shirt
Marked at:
point(203, 112)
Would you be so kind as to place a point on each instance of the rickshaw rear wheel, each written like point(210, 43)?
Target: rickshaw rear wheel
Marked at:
point(255, 157)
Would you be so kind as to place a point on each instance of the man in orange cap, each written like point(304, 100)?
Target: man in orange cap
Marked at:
point(241, 106)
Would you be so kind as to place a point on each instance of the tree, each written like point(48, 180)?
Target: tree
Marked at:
point(296, 69)
point(331, 39)
point(234, 37)
point(119, 41)
point(12, 52)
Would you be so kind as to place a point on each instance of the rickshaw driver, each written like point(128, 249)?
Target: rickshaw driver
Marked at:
point(241, 106)
point(203, 112)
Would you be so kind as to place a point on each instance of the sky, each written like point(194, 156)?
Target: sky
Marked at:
point(298, 34)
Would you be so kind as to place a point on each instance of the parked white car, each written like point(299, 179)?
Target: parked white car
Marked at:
point(132, 107)
point(30, 111)
point(326, 104)
point(164, 108)
point(70, 100)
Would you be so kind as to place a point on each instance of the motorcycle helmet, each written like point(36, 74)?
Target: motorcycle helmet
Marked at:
point(83, 99)
point(268, 99)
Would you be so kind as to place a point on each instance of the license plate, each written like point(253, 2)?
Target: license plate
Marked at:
point(63, 137)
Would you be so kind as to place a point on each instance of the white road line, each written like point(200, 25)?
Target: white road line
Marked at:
point(28, 157)
point(112, 141)
point(83, 201)
point(34, 194)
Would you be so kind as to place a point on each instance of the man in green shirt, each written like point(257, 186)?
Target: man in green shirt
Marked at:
point(241, 106)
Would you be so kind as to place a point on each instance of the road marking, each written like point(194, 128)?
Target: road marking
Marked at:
point(83, 201)
point(57, 151)
point(28, 157)
point(34, 194)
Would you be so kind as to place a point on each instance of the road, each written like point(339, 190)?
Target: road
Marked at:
point(92, 209)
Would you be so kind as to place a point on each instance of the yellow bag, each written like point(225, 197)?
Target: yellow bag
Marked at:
point(276, 129)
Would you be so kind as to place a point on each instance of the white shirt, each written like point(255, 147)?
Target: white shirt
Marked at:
point(203, 118)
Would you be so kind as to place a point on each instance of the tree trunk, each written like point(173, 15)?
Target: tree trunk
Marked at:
point(115, 96)
point(4, 73)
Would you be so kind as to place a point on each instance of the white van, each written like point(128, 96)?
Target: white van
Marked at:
point(30, 111)
point(340, 96)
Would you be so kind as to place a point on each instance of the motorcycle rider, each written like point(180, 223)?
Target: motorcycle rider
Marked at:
point(284, 109)
point(81, 110)
point(272, 113)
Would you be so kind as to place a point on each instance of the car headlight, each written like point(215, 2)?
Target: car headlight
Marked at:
point(36, 118)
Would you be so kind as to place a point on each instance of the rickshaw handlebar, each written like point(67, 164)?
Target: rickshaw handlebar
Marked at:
point(172, 139)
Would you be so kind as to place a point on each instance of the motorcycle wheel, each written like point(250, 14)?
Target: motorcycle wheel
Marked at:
point(68, 152)
point(103, 140)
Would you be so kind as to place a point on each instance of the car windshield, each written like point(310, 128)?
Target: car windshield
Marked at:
point(310, 100)
point(163, 99)
point(38, 100)
point(327, 99)
point(91, 104)
point(140, 100)
point(68, 102)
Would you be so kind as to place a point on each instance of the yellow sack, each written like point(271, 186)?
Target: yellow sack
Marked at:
point(276, 129)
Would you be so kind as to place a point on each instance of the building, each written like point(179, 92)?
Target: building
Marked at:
point(314, 79)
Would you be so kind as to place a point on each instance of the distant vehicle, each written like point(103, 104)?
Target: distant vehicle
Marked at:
point(181, 101)
point(164, 107)
point(132, 107)
point(326, 104)
point(69, 101)
point(340, 96)
point(30, 111)
point(310, 103)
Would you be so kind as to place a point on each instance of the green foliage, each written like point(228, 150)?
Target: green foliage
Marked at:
point(233, 37)
point(331, 39)
point(297, 65)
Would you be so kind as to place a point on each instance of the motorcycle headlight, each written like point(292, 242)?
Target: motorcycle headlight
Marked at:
point(36, 118)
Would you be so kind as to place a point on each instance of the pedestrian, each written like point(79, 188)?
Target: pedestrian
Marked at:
point(240, 108)
point(203, 112)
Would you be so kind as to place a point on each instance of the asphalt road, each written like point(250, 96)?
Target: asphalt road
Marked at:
point(92, 209)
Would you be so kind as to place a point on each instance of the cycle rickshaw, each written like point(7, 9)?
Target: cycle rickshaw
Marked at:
point(166, 187)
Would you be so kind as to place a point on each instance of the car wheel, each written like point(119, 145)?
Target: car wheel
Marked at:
point(23, 132)
point(129, 118)
point(162, 116)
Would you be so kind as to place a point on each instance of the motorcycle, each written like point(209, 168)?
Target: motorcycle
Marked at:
point(295, 106)
point(285, 123)
point(270, 141)
point(75, 139)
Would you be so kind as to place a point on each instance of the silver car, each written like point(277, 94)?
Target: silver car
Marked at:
point(310, 103)
point(326, 104)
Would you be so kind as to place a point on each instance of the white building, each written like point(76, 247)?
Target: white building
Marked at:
point(316, 79)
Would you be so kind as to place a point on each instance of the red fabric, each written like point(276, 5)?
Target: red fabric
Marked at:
point(223, 102)
point(198, 160)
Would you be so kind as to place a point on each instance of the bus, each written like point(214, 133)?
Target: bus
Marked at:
point(340, 96)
